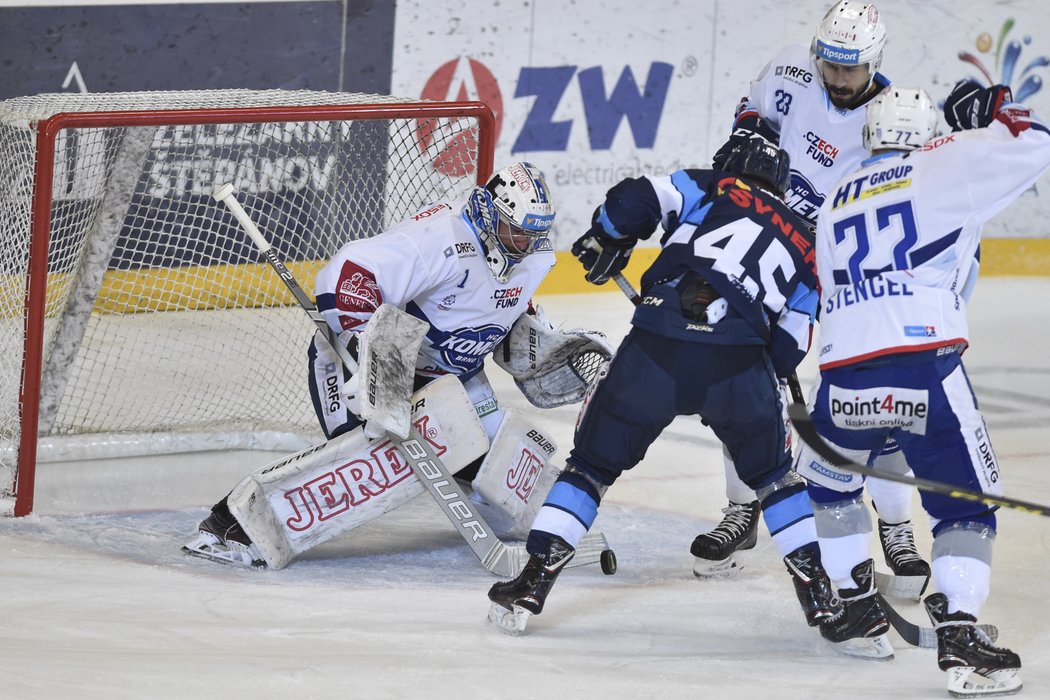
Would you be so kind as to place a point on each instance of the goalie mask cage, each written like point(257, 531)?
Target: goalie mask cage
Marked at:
point(138, 317)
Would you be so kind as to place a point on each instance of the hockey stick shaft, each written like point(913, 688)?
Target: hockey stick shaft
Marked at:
point(807, 431)
point(627, 288)
point(225, 194)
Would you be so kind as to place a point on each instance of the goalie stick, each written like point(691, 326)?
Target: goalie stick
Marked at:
point(495, 555)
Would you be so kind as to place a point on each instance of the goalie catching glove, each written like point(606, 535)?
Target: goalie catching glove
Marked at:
point(550, 366)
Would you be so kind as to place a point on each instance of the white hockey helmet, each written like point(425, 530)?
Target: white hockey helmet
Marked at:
point(900, 119)
point(851, 33)
point(513, 215)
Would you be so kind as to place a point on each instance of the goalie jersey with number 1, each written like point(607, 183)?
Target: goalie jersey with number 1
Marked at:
point(435, 266)
point(467, 269)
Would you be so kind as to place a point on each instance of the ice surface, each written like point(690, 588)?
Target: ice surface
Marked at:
point(98, 601)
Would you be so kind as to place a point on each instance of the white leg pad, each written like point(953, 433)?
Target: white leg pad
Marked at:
point(517, 474)
point(301, 501)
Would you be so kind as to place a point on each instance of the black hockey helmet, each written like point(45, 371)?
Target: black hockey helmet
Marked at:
point(758, 159)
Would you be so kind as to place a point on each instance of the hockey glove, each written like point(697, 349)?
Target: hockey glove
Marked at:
point(353, 395)
point(969, 106)
point(747, 127)
point(352, 391)
point(602, 255)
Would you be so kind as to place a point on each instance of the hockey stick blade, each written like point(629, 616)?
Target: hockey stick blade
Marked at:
point(803, 423)
point(901, 586)
point(919, 636)
point(454, 502)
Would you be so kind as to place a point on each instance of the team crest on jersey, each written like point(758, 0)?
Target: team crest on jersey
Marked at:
point(803, 198)
point(447, 302)
point(357, 289)
point(466, 348)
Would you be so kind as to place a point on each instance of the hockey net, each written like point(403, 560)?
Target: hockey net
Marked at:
point(137, 316)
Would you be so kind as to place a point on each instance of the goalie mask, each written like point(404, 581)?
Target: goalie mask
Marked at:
point(512, 215)
point(848, 49)
point(900, 119)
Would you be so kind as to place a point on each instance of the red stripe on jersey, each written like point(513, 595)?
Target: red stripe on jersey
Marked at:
point(1017, 119)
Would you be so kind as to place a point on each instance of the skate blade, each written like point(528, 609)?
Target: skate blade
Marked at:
point(714, 568)
point(511, 622)
point(904, 587)
point(872, 648)
point(205, 547)
point(963, 682)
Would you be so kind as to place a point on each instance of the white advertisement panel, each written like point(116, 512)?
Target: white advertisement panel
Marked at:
point(593, 93)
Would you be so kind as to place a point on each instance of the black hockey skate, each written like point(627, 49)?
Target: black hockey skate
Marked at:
point(738, 530)
point(221, 538)
point(513, 602)
point(860, 627)
point(812, 585)
point(975, 667)
point(911, 574)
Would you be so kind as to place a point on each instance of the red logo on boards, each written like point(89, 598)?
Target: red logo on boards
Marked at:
point(459, 80)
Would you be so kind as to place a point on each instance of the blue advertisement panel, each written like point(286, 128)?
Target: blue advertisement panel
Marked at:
point(281, 171)
point(110, 48)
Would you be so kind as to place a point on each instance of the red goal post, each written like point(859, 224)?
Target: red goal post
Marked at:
point(137, 317)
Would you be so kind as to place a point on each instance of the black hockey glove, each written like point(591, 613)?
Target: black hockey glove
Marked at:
point(602, 256)
point(745, 129)
point(970, 106)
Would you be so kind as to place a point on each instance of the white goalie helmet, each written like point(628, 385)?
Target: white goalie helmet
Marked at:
point(513, 215)
point(851, 33)
point(900, 119)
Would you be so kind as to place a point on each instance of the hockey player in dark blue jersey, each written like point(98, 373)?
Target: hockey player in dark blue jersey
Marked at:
point(726, 309)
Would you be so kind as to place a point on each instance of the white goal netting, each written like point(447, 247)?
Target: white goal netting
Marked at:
point(162, 328)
